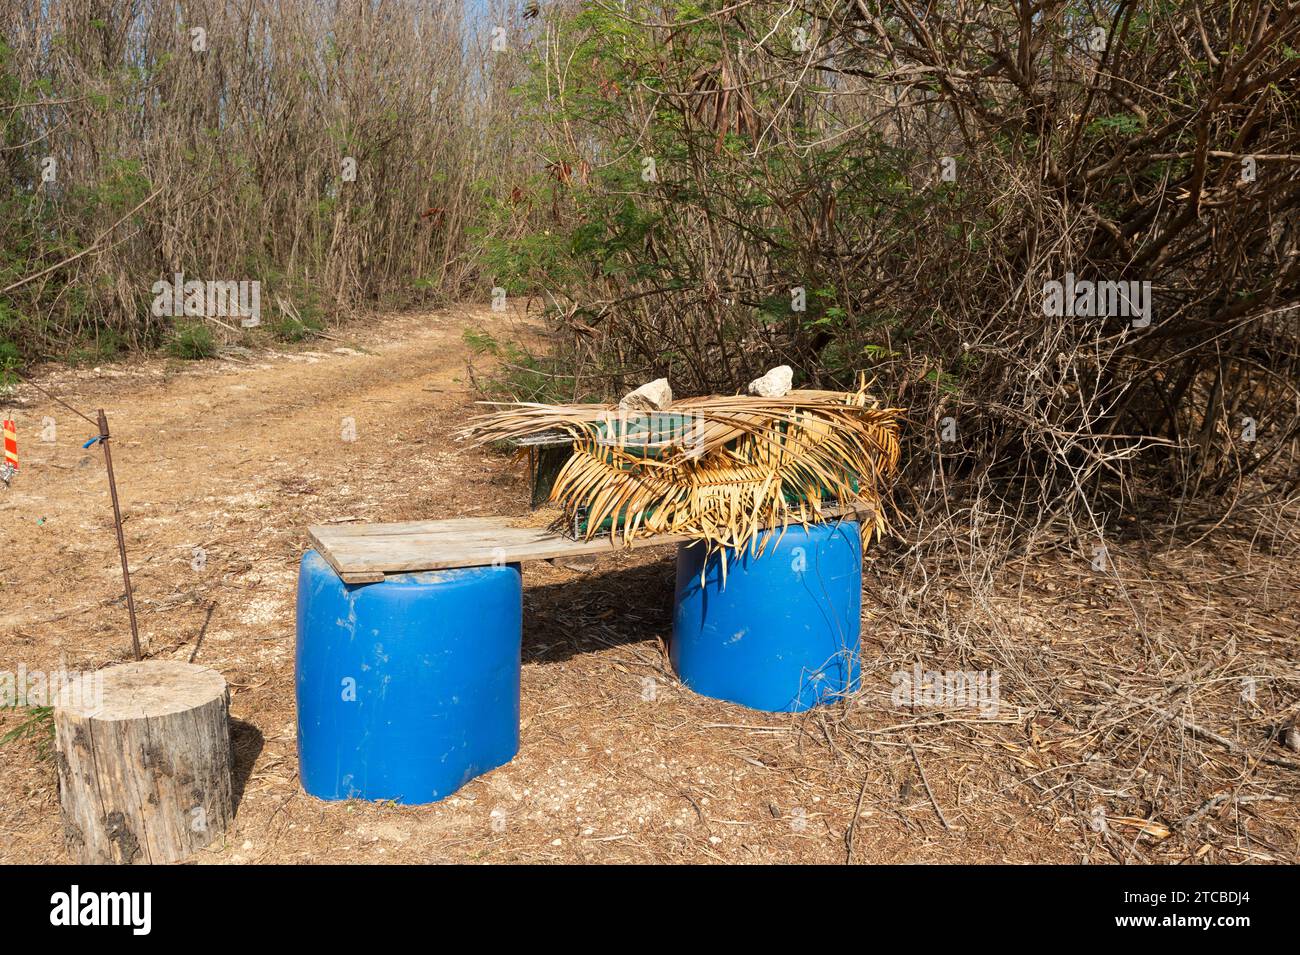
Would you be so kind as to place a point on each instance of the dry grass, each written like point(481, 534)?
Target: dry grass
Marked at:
point(1146, 695)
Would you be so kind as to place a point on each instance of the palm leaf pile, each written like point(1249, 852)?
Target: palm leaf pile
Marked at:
point(718, 468)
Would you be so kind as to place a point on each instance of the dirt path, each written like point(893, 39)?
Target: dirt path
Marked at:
point(222, 464)
point(205, 455)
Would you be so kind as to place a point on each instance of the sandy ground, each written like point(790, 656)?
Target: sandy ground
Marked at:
point(222, 464)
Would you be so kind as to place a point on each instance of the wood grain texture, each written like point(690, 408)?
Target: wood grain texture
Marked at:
point(364, 553)
point(144, 762)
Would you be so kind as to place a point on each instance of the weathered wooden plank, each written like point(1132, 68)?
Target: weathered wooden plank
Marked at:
point(415, 527)
point(364, 553)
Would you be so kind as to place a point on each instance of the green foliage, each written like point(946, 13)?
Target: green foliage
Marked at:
point(9, 362)
point(304, 318)
point(1126, 124)
point(192, 341)
point(664, 242)
point(289, 329)
point(520, 375)
point(105, 345)
point(38, 726)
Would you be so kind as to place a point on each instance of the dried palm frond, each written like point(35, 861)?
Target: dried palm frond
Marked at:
point(718, 468)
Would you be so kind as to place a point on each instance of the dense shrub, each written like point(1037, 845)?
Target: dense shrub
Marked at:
point(914, 176)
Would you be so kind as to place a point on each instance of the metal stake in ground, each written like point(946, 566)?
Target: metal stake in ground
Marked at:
point(121, 541)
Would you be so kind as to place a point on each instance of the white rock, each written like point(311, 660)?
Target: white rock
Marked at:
point(652, 396)
point(775, 384)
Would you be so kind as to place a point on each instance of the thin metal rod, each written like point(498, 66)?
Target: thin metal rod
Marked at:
point(121, 541)
point(51, 395)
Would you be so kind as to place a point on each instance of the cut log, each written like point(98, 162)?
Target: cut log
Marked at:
point(144, 762)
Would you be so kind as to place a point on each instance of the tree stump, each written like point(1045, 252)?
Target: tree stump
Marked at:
point(144, 762)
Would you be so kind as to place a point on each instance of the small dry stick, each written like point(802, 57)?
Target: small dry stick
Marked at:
point(1200, 732)
point(928, 791)
point(853, 825)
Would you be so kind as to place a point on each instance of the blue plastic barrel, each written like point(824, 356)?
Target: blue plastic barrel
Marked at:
point(406, 688)
point(783, 634)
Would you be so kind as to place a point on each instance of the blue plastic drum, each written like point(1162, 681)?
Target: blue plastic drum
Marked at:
point(406, 688)
point(783, 635)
